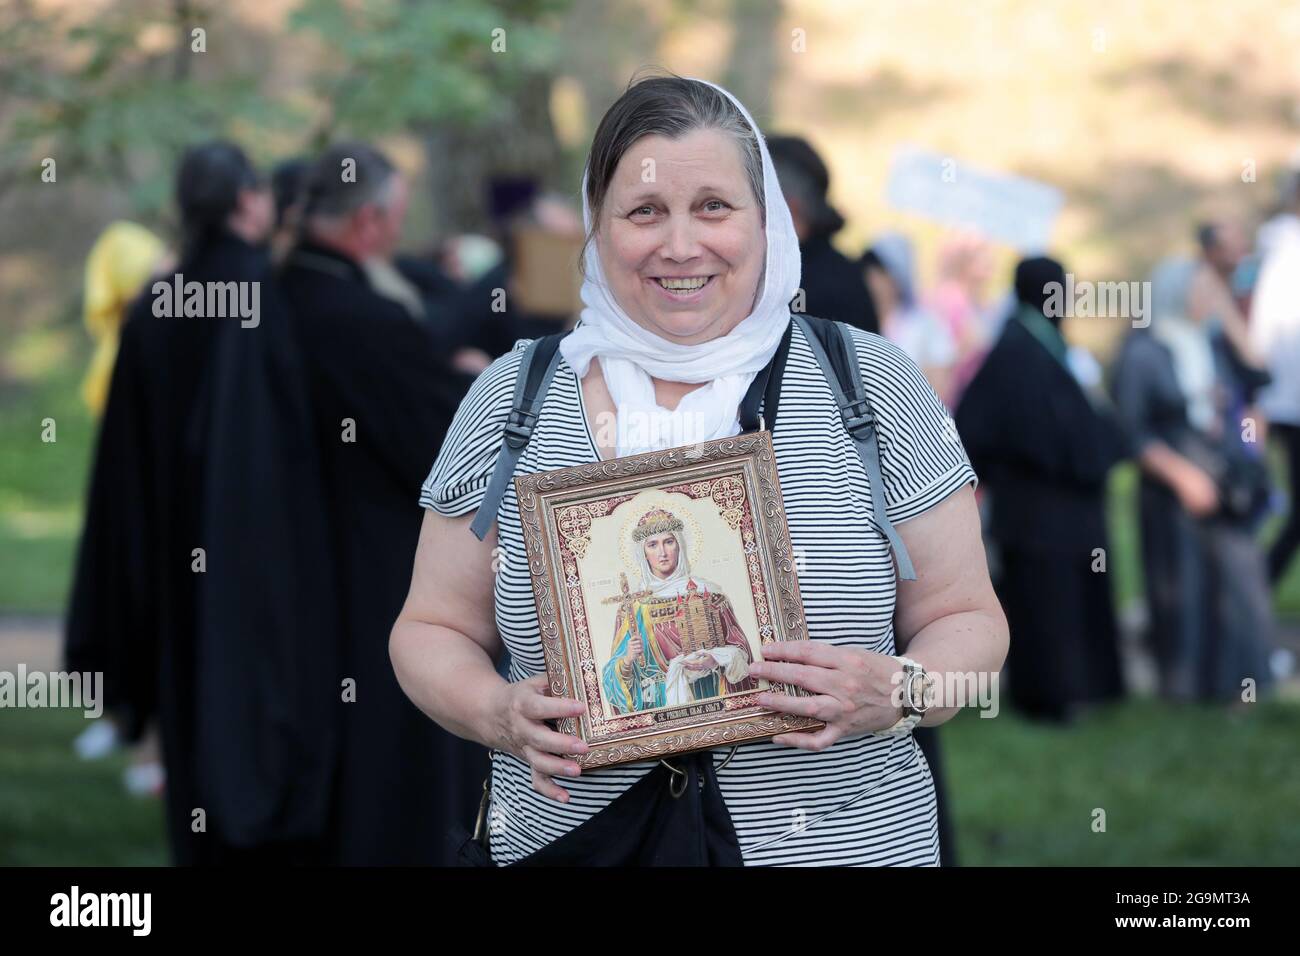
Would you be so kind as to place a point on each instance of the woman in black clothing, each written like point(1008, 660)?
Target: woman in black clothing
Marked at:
point(1044, 450)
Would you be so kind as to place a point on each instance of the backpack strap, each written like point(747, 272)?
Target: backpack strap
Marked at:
point(766, 389)
point(536, 371)
point(832, 344)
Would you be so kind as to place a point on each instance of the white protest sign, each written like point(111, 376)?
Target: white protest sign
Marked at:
point(1011, 209)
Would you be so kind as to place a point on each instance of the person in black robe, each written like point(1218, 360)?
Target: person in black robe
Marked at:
point(834, 287)
point(382, 398)
point(1043, 449)
point(179, 566)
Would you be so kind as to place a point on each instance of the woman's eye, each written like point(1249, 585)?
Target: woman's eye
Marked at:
point(643, 211)
point(715, 205)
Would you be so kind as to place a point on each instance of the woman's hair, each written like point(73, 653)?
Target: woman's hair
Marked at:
point(1171, 288)
point(208, 183)
point(670, 106)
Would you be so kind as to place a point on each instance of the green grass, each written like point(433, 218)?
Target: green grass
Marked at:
point(57, 810)
point(42, 484)
point(1180, 785)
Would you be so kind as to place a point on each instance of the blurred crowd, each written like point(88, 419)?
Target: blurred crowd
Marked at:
point(253, 506)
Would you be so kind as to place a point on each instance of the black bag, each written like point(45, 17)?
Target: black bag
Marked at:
point(1242, 480)
point(673, 816)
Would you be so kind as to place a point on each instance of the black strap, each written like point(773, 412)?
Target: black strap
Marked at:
point(765, 388)
point(829, 337)
point(527, 406)
point(531, 383)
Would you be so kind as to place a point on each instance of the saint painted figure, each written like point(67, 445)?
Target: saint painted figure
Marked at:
point(676, 640)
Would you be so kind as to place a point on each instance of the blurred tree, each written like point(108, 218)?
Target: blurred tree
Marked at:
point(472, 78)
point(113, 94)
point(751, 68)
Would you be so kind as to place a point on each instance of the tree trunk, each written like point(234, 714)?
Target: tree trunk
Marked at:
point(462, 162)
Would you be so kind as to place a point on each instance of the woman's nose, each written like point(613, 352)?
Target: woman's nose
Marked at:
point(680, 242)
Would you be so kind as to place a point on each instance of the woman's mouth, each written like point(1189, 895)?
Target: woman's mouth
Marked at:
point(684, 285)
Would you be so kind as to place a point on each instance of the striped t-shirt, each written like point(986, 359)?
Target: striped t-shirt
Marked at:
point(866, 800)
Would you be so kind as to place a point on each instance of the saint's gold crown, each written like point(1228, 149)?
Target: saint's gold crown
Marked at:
point(656, 521)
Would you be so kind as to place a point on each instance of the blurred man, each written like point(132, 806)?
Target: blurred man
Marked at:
point(1223, 246)
point(1275, 334)
point(381, 404)
point(1043, 451)
point(833, 286)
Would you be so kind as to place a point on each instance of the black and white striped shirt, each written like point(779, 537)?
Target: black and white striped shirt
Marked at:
point(867, 800)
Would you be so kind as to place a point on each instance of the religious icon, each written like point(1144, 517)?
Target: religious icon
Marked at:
point(676, 640)
point(658, 578)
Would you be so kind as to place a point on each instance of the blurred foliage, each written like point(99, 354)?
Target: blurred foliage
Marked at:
point(394, 64)
point(109, 107)
point(117, 96)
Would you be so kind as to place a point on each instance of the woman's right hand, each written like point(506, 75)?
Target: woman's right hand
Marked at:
point(522, 709)
point(1197, 492)
point(634, 649)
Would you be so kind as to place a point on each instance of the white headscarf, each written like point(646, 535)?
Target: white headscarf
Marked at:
point(1188, 342)
point(630, 354)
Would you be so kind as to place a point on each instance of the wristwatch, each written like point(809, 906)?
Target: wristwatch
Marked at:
point(917, 686)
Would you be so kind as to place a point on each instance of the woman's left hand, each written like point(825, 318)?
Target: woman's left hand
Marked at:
point(852, 689)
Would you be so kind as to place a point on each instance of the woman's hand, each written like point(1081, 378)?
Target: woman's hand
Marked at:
point(1196, 491)
point(522, 709)
point(635, 648)
point(852, 690)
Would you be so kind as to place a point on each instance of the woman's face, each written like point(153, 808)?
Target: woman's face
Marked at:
point(661, 552)
point(681, 236)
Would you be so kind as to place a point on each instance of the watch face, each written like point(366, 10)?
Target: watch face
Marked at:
point(927, 691)
point(911, 697)
point(917, 696)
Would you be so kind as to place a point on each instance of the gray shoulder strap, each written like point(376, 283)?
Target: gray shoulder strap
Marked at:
point(524, 410)
point(859, 422)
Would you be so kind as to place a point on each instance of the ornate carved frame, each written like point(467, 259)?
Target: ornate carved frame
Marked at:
point(556, 507)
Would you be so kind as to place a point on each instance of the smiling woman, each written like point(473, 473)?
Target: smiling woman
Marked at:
point(684, 252)
point(689, 268)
